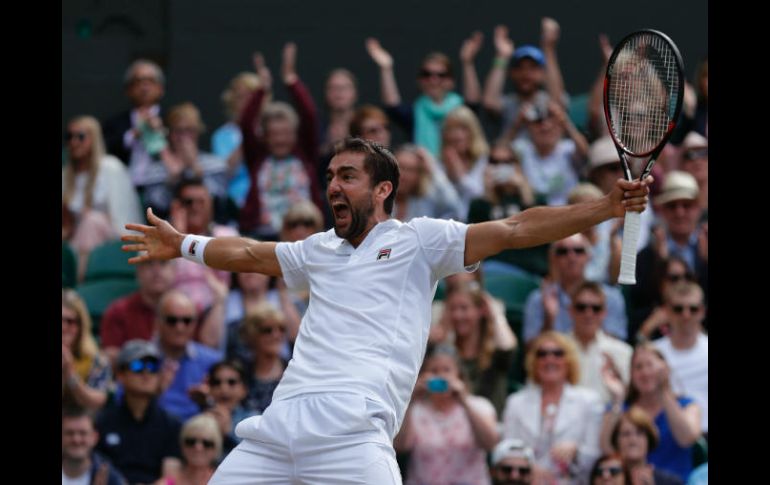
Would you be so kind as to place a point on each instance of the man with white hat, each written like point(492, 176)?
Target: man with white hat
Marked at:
point(680, 235)
point(695, 161)
point(512, 463)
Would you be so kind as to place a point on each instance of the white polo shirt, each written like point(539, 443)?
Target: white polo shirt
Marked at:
point(366, 326)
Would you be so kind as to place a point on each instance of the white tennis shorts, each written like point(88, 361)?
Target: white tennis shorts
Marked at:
point(313, 439)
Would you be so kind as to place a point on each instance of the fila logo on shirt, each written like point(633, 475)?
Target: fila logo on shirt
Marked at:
point(383, 254)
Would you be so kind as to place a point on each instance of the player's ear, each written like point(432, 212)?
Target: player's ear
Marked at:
point(383, 189)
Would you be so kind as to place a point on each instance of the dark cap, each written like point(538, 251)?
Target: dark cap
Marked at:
point(137, 349)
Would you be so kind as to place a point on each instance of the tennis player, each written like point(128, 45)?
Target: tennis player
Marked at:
point(362, 340)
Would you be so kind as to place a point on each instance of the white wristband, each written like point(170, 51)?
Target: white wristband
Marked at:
point(193, 247)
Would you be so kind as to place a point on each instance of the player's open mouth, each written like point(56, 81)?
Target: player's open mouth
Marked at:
point(341, 211)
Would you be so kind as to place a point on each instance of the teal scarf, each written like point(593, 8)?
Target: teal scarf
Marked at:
point(428, 118)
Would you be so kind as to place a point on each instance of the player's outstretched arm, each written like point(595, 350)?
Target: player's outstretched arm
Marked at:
point(541, 225)
point(161, 241)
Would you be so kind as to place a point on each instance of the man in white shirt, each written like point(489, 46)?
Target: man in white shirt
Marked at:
point(362, 340)
point(686, 348)
point(596, 349)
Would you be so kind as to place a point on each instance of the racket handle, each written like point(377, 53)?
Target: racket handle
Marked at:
point(628, 254)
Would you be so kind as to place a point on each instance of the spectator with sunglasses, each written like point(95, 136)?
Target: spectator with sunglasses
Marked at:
point(137, 436)
point(85, 371)
point(201, 445)
point(98, 198)
point(655, 324)
point(677, 418)
point(547, 308)
point(512, 463)
point(552, 414)
point(423, 120)
point(264, 330)
point(634, 437)
point(686, 347)
point(223, 397)
point(133, 316)
point(596, 350)
point(608, 470)
point(185, 362)
point(678, 234)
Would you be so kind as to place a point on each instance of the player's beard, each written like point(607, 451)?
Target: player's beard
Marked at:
point(359, 217)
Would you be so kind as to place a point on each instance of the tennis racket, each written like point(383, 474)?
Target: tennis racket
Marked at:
point(643, 91)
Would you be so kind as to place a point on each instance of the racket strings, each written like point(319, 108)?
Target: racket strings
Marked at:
point(642, 91)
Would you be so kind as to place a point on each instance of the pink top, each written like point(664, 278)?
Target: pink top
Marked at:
point(444, 450)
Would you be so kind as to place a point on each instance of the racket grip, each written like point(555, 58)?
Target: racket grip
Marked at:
point(628, 253)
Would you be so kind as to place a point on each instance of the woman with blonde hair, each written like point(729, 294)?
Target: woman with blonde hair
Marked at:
point(483, 339)
point(97, 193)
point(557, 418)
point(464, 153)
point(201, 442)
point(226, 140)
point(85, 370)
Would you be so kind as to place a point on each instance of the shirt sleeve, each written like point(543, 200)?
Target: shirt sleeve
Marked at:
point(292, 257)
point(443, 243)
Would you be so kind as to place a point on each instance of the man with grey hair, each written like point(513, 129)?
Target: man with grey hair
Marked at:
point(135, 136)
point(512, 463)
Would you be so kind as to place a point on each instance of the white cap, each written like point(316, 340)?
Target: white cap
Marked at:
point(514, 448)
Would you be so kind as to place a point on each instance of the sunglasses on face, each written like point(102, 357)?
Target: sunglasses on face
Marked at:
point(541, 353)
point(684, 204)
point(427, 73)
point(269, 330)
point(564, 251)
point(77, 135)
point(679, 309)
point(497, 161)
point(695, 154)
point(582, 307)
point(191, 442)
point(218, 382)
point(140, 365)
point(172, 320)
point(187, 202)
point(605, 470)
point(521, 470)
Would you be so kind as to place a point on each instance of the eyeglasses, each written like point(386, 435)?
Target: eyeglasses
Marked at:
point(70, 320)
point(696, 153)
point(191, 442)
point(427, 73)
point(78, 135)
point(269, 330)
point(679, 309)
point(300, 222)
point(582, 307)
point(522, 470)
point(562, 251)
point(497, 161)
point(218, 382)
point(604, 470)
point(138, 366)
point(541, 353)
point(172, 320)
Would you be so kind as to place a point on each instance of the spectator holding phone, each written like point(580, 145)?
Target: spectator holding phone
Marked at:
point(447, 429)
